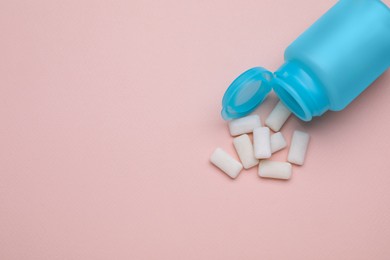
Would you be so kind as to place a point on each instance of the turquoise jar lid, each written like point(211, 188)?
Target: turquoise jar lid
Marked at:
point(246, 93)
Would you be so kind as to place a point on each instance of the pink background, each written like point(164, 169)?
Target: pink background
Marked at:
point(109, 113)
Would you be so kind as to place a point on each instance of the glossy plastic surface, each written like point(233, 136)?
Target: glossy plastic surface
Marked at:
point(246, 93)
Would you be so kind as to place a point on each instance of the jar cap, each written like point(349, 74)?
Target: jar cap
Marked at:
point(246, 93)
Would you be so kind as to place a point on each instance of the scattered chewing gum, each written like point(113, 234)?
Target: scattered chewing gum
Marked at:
point(275, 170)
point(298, 148)
point(277, 142)
point(245, 151)
point(226, 163)
point(262, 142)
point(244, 125)
point(277, 117)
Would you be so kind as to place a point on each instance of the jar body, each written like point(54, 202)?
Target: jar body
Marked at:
point(343, 53)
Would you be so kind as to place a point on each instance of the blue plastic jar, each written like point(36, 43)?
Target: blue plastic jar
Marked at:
point(325, 68)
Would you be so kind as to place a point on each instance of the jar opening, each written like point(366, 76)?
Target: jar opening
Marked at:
point(292, 101)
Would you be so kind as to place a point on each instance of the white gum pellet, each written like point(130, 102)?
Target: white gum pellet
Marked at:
point(277, 142)
point(298, 147)
point(226, 163)
point(245, 151)
point(244, 125)
point(275, 170)
point(262, 142)
point(278, 117)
